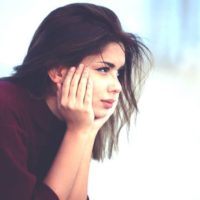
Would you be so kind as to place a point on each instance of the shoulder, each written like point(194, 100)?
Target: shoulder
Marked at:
point(12, 106)
point(11, 95)
point(9, 89)
point(14, 102)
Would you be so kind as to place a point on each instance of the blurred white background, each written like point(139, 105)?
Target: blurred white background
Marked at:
point(161, 161)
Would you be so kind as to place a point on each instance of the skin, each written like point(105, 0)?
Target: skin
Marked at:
point(103, 72)
point(86, 97)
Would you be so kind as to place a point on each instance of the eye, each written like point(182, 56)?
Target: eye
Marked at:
point(103, 69)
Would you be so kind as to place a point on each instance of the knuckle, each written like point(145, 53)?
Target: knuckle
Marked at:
point(85, 111)
point(71, 106)
point(62, 102)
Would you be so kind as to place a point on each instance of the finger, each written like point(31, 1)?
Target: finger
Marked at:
point(88, 93)
point(75, 81)
point(67, 82)
point(82, 85)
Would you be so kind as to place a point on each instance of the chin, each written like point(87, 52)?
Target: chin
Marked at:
point(100, 115)
point(103, 113)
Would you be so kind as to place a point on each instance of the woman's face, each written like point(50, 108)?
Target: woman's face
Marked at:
point(104, 70)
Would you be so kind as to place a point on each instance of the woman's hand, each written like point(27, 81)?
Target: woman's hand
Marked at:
point(74, 97)
point(74, 104)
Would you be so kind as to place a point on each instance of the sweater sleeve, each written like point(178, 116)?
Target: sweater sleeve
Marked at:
point(16, 181)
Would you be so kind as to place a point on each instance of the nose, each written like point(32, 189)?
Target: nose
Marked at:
point(115, 86)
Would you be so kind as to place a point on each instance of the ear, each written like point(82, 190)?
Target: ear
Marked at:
point(57, 75)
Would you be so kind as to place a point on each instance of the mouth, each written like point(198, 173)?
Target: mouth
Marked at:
point(108, 103)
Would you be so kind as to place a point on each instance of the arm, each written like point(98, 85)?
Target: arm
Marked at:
point(68, 175)
point(16, 181)
point(79, 190)
point(65, 169)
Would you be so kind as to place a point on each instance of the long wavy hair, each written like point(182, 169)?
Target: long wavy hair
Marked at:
point(64, 38)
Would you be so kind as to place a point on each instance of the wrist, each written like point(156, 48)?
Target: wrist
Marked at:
point(83, 134)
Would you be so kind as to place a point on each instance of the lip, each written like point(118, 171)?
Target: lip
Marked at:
point(108, 103)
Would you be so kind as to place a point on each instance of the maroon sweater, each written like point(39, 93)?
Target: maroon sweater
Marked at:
point(29, 139)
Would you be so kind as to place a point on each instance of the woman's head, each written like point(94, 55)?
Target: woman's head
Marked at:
point(66, 37)
point(104, 69)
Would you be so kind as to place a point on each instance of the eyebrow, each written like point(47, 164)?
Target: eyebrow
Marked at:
point(111, 65)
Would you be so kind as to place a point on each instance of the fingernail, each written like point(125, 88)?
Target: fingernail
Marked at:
point(72, 69)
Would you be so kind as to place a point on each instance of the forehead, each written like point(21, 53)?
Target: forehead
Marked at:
point(112, 52)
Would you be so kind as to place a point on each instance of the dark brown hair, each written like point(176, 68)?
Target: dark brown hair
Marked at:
point(64, 38)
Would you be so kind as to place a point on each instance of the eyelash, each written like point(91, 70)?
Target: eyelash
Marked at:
point(103, 69)
point(107, 69)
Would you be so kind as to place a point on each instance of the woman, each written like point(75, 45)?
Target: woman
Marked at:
point(66, 103)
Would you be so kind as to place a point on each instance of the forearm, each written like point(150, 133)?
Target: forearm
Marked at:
point(68, 175)
point(80, 187)
point(64, 170)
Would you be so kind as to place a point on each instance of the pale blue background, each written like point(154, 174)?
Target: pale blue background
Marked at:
point(162, 159)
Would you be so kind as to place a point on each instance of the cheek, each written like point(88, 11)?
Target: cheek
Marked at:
point(96, 95)
point(99, 87)
point(99, 93)
point(96, 89)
